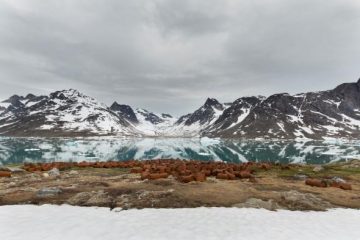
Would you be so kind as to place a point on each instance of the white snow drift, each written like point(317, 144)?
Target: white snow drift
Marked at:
point(67, 222)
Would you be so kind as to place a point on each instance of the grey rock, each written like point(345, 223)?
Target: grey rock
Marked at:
point(318, 168)
point(80, 198)
point(54, 172)
point(300, 177)
point(99, 198)
point(48, 192)
point(295, 200)
point(16, 170)
point(258, 203)
point(338, 180)
point(95, 198)
point(73, 172)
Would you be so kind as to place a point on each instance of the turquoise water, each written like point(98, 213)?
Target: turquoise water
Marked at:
point(18, 150)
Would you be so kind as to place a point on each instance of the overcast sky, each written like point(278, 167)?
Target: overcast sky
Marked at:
point(170, 55)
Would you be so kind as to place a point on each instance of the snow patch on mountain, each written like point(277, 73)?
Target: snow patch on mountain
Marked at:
point(153, 124)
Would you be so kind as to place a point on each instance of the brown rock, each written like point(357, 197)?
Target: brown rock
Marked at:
point(231, 176)
point(222, 176)
point(245, 174)
point(186, 179)
point(154, 176)
point(315, 183)
point(144, 175)
point(200, 177)
point(345, 186)
point(136, 170)
point(5, 174)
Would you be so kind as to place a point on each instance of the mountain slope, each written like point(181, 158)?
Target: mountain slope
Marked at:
point(145, 122)
point(316, 115)
point(194, 124)
point(235, 114)
point(62, 113)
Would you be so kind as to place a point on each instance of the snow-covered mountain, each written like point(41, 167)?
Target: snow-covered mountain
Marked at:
point(62, 113)
point(197, 123)
point(145, 122)
point(235, 114)
point(315, 115)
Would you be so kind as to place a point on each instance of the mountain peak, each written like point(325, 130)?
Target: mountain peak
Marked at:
point(114, 105)
point(166, 115)
point(69, 94)
point(15, 100)
point(72, 92)
point(211, 102)
point(30, 96)
point(124, 111)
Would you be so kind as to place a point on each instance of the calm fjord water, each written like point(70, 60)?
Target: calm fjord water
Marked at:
point(18, 150)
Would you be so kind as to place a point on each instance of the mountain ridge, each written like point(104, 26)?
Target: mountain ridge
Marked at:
point(332, 113)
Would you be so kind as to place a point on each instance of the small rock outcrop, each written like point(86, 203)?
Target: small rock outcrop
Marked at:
point(294, 200)
point(54, 172)
point(48, 192)
point(259, 203)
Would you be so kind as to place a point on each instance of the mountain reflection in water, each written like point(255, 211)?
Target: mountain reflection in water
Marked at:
point(18, 150)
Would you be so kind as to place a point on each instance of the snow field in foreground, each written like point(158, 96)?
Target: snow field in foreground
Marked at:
point(67, 222)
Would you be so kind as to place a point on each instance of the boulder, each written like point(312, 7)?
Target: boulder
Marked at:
point(74, 172)
point(144, 175)
point(79, 199)
point(344, 186)
point(301, 177)
point(54, 172)
point(295, 200)
point(186, 179)
point(200, 177)
point(99, 198)
point(245, 174)
point(340, 183)
point(5, 174)
point(338, 180)
point(231, 176)
point(258, 203)
point(318, 168)
point(48, 192)
point(316, 183)
point(154, 176)
point(45, 175)
point(222, 176)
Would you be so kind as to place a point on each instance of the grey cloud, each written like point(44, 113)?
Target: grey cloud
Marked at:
point(169, 56)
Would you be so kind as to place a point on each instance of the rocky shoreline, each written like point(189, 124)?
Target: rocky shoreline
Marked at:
point(183, 184)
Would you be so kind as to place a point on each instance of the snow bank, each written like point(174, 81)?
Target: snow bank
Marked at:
point(67, 222)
